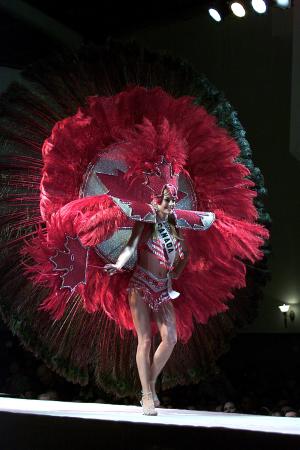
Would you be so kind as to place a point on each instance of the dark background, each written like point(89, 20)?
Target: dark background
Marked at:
point(251, 60)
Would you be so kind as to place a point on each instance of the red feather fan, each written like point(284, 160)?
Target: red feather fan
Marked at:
point(144, 125)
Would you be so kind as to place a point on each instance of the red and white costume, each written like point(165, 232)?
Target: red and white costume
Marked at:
point(101, 168)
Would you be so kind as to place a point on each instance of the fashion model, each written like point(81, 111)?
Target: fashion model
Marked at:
point(162, 256)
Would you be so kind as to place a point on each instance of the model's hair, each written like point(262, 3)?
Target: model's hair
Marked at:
point(172, 223)
point(168, 189)
point(174, 229)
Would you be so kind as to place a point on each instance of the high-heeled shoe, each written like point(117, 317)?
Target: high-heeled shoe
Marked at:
point(156, 400)
point(147, 403)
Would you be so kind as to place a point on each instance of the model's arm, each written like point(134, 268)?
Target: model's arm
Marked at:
point(182, 262)
point(127, 251)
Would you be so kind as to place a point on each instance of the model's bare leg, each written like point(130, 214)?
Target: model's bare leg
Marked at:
point(141, 319)
point(166, 322)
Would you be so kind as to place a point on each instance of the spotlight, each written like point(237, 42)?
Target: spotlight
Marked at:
point(238, 9)
point(218, 10)
point(214, 13)
point(285, 309)
point(259, 6)
point(283, 3)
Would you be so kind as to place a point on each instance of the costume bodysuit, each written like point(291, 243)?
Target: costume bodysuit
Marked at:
point(166, 248)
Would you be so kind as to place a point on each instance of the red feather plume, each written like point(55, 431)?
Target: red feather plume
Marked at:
point(146, 124)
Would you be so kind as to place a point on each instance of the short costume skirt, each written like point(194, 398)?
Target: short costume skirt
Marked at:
point(154, 290)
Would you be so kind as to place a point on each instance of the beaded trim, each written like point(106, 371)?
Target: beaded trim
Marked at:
point(154, 289)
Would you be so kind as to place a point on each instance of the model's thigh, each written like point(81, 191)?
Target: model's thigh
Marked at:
point(140, 312)
point(166, 321)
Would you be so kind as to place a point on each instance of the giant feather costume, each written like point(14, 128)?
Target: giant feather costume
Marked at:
point(77, 174)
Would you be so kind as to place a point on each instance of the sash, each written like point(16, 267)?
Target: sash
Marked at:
point(166, 239)
point(170, 250)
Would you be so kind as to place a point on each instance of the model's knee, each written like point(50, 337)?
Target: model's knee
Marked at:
point(170, 338)
point(144, 343)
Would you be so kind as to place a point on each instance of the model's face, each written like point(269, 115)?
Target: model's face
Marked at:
point(167, 204)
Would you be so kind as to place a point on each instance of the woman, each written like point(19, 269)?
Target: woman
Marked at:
point(150, 290)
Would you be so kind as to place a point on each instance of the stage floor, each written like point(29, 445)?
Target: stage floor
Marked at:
point(133, 414)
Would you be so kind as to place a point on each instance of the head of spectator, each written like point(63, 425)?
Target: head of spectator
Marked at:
point(291, 413)
point(264, 411)
point(285, 409)
point(276, 413)
point(229, 407)
point(49, 395)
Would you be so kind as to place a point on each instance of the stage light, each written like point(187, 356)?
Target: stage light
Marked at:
point(283, 3)
point(285, 309)
point(214, 13)
point(259, 6)
point(238, 9)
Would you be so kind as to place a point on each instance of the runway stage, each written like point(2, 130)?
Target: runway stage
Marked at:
point(42, 425)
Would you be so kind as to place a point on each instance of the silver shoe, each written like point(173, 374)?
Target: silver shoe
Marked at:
point(149, 408)
point(156, 400)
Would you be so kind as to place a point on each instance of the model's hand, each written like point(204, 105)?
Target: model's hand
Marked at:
point(111, 269)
